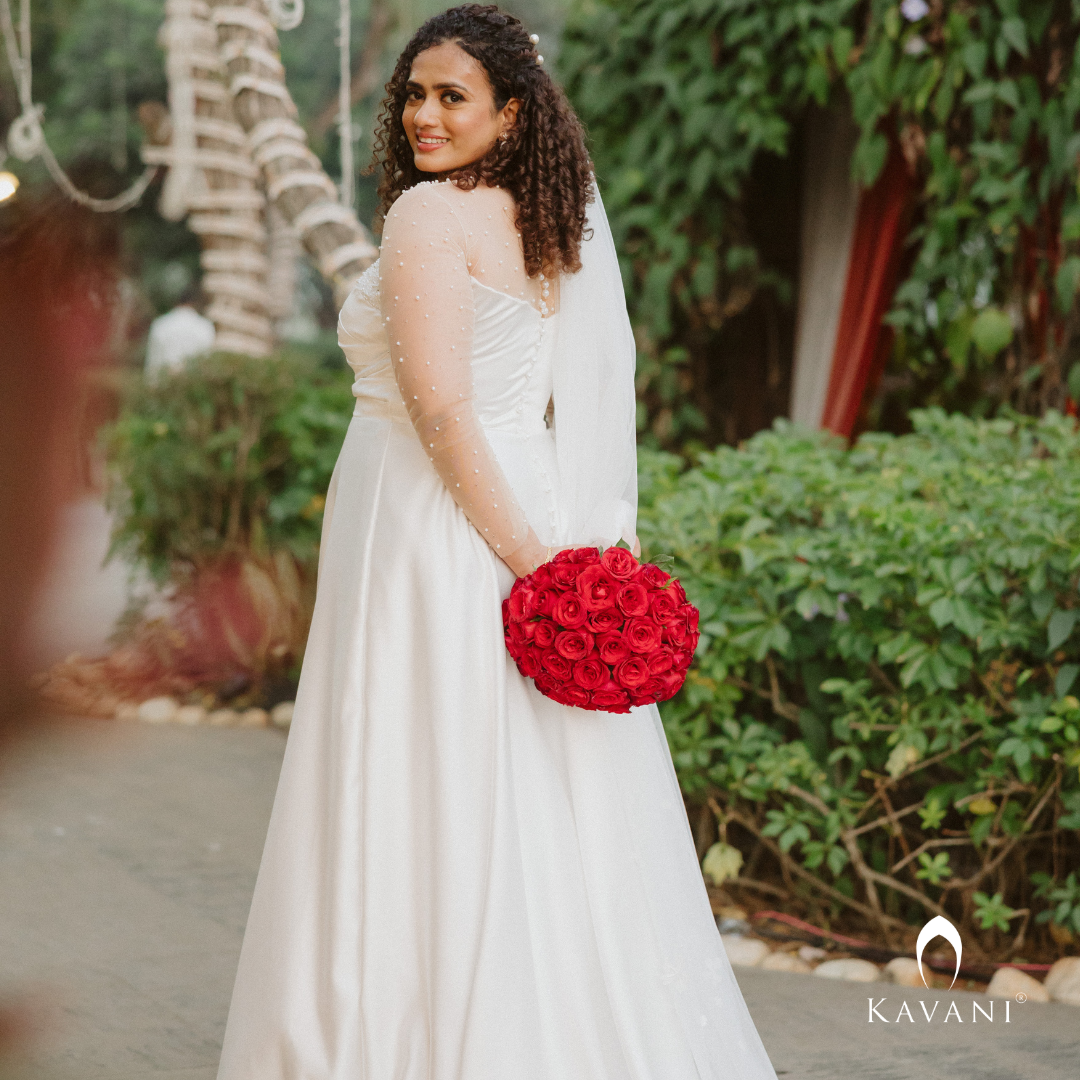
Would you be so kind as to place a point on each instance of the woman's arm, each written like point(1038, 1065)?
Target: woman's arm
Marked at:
point(427, 305)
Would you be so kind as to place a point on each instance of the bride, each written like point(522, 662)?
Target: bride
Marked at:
point(462, 879)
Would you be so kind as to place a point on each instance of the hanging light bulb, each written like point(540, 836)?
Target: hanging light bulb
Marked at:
point(9, 184)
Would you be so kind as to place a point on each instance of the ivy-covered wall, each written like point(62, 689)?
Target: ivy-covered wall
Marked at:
point(683, 99)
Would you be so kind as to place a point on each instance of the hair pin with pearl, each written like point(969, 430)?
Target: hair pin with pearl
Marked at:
point(534, 38)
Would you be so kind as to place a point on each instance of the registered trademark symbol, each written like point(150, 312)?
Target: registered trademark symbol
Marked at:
point(1021, 997)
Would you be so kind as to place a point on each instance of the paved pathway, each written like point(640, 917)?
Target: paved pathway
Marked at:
point(127, 858)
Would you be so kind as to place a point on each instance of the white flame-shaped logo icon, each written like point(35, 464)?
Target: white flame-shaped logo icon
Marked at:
point(939, 926)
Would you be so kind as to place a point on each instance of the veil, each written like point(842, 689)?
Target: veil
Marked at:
point(595, 408)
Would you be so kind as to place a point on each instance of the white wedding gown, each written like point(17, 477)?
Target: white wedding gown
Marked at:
point(462, 879)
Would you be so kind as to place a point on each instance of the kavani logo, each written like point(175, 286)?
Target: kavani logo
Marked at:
point(938, 926)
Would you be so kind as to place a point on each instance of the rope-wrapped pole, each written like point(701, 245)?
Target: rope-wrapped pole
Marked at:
point(213, 179)
point(296, 183)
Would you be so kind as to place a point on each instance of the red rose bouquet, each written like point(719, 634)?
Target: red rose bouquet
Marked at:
point(601, 631)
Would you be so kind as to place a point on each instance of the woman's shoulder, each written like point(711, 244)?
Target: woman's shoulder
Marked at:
point(429, 196)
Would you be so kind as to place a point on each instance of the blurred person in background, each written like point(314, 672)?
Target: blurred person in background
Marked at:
point(58, 286)
point(178, 335)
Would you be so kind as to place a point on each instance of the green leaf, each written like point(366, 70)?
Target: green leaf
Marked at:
point(722, 863)
point(991, 331)
point(1015, 33)
point(1066, 676)
point(869, 157)
point(1074, 382)
point(1060, 627)
point(1067, 282)
point(992, 912)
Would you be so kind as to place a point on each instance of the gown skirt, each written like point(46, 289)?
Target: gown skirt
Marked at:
point(462, 879)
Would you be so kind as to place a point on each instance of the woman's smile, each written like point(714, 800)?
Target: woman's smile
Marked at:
point(426, 143)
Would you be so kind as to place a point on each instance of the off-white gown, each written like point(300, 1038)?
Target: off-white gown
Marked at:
point(462, 879)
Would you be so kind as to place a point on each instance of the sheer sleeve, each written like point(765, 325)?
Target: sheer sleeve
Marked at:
point(427, 305)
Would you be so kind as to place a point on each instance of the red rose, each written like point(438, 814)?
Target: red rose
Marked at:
point(506, 610)
point(665, 608)
point(575, 695)
point(632, 599)
point(545, 600)
point(546, 684)
point(529, 629)
point(632, 673)
point(676, 633)
point(649, 692)
point(692, 641)
point(557, 665)
point(611, 698)
point(597, 588)
point(619, 563)
point(672, 681)
point(522, 600)
point(515, 635)
point(590, 674)
point(558, 693)
point(574, 644)
point(613, 649)
point(566, 573)
point(540, 578)
point(570, 611)
point(584, 555)
point(692, 616)
point(529, 663)
point(600, 622)
point(660, 660)
point(676, 588)
point(651, 576)
point(544, 635)
point(642, 635)
point(682, 659)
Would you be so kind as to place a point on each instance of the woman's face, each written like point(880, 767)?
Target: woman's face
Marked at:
point(450, 117)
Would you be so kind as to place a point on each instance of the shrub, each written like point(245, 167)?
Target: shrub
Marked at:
point(231, 456)
point(218, 476)
point(882, 696)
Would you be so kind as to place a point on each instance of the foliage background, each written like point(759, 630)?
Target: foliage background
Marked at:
point(686, 99)
point(882, 708)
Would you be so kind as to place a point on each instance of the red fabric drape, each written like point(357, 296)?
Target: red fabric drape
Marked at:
point(877, 249)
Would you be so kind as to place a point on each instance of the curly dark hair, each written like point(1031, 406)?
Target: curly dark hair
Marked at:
point(543, 162)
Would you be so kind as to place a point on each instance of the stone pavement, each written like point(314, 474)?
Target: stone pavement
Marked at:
point(127, 859)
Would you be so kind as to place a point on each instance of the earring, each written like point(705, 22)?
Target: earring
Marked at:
point(503, 137)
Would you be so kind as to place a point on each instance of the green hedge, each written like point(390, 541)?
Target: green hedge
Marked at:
point(229, 458)
point(882, 695)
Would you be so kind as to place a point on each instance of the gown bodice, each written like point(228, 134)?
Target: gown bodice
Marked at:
point(511, 358)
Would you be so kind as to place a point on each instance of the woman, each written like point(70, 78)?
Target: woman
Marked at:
point(464, 880)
